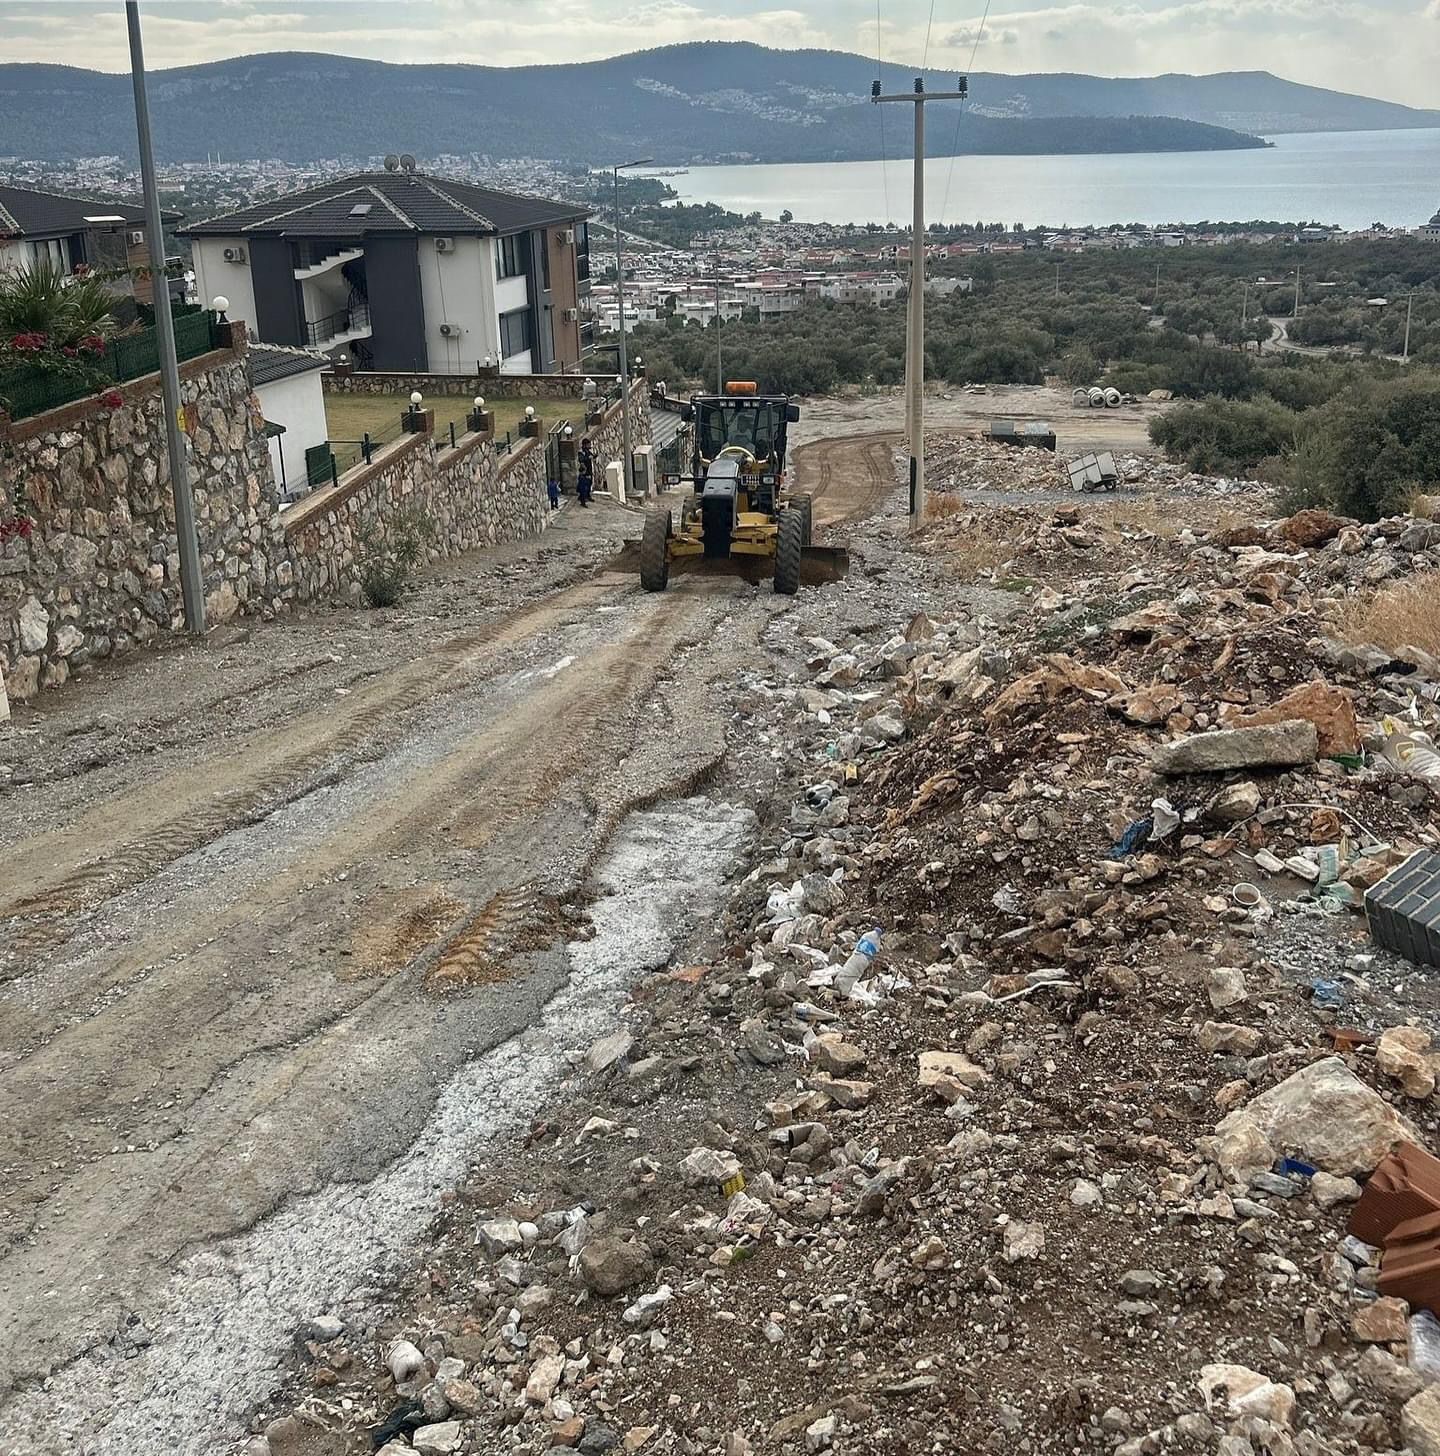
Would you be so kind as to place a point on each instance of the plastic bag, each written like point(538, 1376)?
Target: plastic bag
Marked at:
point(1409, 750)
point(1164, 820)
point(1425, 1344)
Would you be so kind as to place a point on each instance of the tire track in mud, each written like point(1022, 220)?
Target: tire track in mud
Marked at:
point(848, 476)
point(474, 956)
point(225, 949)
point(271, 769)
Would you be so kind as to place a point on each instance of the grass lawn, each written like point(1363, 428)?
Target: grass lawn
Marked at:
point(350, 416)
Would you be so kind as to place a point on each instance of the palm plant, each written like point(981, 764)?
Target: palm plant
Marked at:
point(41, 299)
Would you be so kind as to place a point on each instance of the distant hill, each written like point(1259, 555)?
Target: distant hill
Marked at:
point(710, 101)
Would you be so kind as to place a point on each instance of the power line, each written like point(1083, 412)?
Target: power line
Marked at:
point(884, 157)
point(974, 50)
point(955, 145)
point(924, 60)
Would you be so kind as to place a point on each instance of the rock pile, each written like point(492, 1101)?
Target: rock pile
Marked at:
point(966, 464)
point(1067, 1165)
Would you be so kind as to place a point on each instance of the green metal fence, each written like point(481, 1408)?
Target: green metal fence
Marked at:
point(28, 391)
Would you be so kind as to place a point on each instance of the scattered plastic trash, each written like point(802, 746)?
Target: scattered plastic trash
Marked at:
point(1425, 1344)
point(784, 905)
point(1272, 864)
point(858, 966)
point(1327, 864)
point(1006, 900)
point(1164, 819)
point(1328, 995)
point(1307, 869)
point(1337, 897)
point(1409, 750)
point(1134, 839)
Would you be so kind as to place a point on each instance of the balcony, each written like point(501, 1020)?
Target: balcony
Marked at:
point(338, 328)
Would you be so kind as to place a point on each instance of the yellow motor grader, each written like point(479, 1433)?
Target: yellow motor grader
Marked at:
point(740, 512)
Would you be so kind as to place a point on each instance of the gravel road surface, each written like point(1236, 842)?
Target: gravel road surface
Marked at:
point(284, 915)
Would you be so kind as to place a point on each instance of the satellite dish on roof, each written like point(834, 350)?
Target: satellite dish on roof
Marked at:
point(392, 163)
point(407, 162)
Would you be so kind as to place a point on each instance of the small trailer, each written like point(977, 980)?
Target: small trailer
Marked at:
point(1094, 472)
point(1031, 434)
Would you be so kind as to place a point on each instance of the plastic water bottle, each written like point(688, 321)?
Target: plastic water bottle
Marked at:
point(858, 966)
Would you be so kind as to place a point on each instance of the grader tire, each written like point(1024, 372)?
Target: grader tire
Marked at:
point(806, 506)
point(789, 548)
point(655, 552)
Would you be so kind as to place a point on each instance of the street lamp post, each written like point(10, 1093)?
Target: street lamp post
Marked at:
point(719, 341)
point(192, 585)
point(627, 473)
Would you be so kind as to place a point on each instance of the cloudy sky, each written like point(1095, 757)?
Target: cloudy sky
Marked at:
point(1387, 48)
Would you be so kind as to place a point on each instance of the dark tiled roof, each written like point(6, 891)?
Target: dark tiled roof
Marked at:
point(26, 213)
point(268, 363)
point(398, 202)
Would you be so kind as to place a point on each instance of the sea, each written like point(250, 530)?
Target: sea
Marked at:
point(1350, 179)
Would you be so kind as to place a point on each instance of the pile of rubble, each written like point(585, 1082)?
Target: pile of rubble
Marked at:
point(1003, 1116)
point(967, 464)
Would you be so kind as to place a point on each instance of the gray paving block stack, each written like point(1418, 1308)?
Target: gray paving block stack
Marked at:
point(1403, 910)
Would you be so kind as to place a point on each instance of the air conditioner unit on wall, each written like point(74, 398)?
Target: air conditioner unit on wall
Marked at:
point(450, 331)
point(234, 255)
point(572, 315)
point(444, 245)
point(136, 237)
point(566, 237)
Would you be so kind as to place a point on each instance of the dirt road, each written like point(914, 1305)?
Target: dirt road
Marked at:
point(1078, 430)
point(245, 975)
point(848, 477)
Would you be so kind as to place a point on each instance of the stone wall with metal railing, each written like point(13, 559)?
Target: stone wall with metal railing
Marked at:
point(89, 559)
point(491, 384)
point(451, 499)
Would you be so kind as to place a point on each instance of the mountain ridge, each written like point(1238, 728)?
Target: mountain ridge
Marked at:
point(705, 101)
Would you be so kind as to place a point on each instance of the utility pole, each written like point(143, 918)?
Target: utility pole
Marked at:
point(1295, 312)
point(915, 342)
point(719, 342)
point(627, 466)
point(192, 585)
point(1409, 309)
point(1245, 306)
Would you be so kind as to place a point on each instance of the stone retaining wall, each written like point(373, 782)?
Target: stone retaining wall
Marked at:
point(100, 571)
point(608, 438)
point(454, 499)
